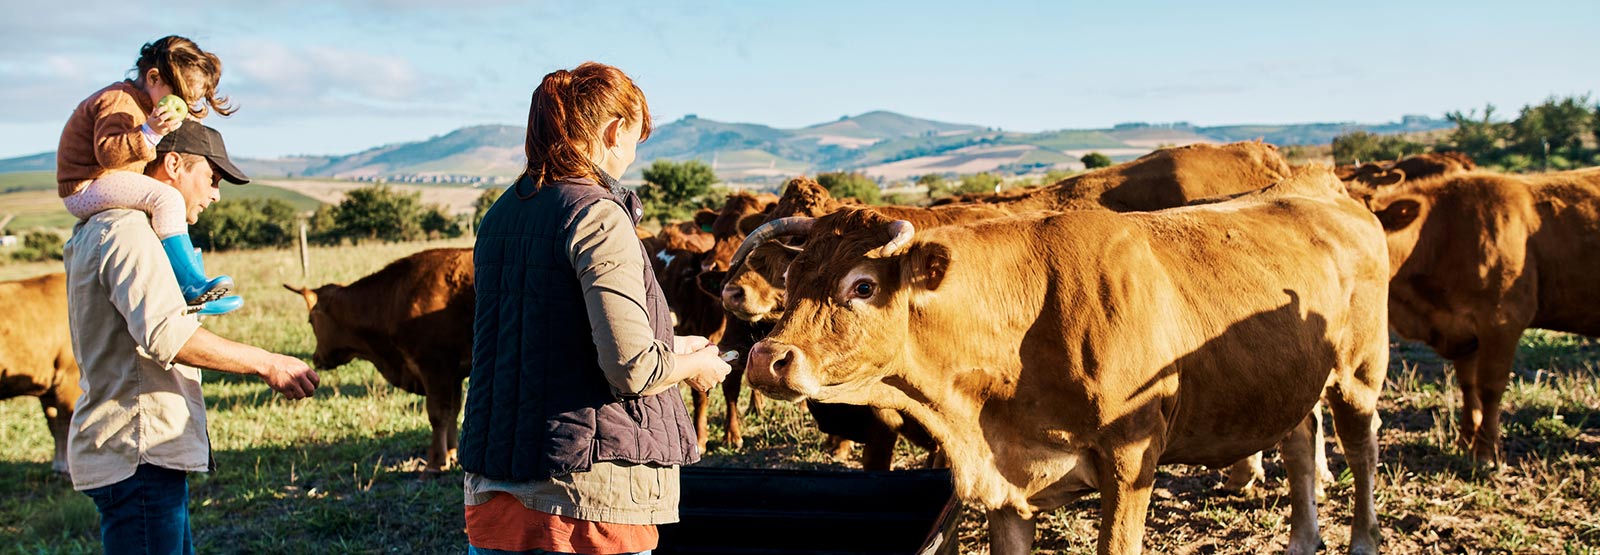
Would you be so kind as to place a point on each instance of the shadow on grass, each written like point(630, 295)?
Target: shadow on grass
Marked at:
point(349, 496)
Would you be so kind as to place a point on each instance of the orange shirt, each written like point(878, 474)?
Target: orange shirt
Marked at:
point(503, 523)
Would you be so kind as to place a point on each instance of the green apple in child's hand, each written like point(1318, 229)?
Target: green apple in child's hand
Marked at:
point(175, 106)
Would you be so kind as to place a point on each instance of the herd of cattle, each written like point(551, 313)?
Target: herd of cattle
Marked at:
point(1192, 306)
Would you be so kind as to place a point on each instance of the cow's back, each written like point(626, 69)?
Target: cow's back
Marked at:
point(1168, 178)
point(35, 341)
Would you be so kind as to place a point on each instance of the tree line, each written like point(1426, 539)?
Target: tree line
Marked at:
point(374, 213)
point(1558, 134)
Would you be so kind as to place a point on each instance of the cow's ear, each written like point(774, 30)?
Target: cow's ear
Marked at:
point(305, 292)
point(704, 218)
point(749, 223)
point(1399, 213)
point(925, 265)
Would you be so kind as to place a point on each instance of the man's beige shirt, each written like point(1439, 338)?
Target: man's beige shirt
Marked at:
point(127, 320)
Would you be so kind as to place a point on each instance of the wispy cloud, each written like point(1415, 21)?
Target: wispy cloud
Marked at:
point(311, 81)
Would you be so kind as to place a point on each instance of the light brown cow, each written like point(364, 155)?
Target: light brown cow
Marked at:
point(1479, 257)
point(1162, 179)
point(36, 352)
point(413, 321)
point(1054, 356)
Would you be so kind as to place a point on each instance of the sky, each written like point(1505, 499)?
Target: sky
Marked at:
point(341, 76)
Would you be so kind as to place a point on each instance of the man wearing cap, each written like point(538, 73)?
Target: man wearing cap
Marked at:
point(140, 427)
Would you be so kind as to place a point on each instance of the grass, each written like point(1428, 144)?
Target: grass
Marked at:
point(339, 473)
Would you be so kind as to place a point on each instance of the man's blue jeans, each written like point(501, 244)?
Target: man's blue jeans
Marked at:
point(146, 514)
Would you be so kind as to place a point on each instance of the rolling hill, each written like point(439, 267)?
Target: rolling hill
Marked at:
point(880, 143)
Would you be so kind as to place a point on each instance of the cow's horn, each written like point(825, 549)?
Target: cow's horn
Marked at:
point(903, 230)
point(793, 225)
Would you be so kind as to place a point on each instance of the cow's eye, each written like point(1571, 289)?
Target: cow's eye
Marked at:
point(863, 289)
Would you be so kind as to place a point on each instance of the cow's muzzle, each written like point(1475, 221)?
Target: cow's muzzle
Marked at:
point(780, 371)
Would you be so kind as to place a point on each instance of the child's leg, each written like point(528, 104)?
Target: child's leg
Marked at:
point(134, 191)
point(169, 218)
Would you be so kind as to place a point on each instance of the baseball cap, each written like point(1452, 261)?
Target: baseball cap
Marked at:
point(196, 138)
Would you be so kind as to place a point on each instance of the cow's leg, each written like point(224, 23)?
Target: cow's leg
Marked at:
point(1300, 461)
point(1483, 376)
point(758, 402)
point(731, 386)
point(1320, 441)
point(702, 405)
point(1127, 476)
point(877, 453)
point(1243, 475)
point(442, 398)
point(1009, 533)
point(1355, 421)
point(838, 447)
point(58, 416)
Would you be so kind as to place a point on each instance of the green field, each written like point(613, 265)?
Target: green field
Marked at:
point(12, 182)
point(339, 472)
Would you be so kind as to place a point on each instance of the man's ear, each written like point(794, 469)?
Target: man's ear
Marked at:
point(171, 162)
point(1398, 213)
point(925, 265)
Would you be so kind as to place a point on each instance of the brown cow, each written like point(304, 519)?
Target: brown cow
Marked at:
point(1479, 257)
point(36, 352)
point(726, 236)
point(413, 321)
point(1054, 356)
point(1162, 179)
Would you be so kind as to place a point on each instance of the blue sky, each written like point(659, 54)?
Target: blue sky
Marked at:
point(335, 77)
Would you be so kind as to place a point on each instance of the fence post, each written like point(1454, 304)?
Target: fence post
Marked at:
point(305, 254)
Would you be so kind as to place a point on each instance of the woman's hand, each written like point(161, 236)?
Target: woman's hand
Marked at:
point(706, 367)
point(685, 344)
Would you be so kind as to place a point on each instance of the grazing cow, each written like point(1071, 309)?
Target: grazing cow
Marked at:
point(36, 352)
point(1479, 257)
point(413, 321)
point(1054, 356)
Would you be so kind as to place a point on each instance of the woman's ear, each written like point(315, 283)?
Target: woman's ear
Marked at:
point(612, 131)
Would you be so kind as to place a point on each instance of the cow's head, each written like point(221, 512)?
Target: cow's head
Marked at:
point(335, 344)
point(849, 297)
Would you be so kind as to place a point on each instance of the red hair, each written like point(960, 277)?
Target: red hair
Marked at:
point(567, 107)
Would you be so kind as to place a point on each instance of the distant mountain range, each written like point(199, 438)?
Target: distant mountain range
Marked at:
point(882, 144)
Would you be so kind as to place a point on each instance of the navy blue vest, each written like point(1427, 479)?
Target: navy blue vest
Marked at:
point(538, 404)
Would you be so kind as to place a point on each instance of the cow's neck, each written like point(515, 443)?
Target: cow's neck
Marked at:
point(972, 402)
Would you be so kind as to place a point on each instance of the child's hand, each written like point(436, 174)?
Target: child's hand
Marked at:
point(163, 121)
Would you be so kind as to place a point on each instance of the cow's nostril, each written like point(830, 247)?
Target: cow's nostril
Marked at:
point(781, 363)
